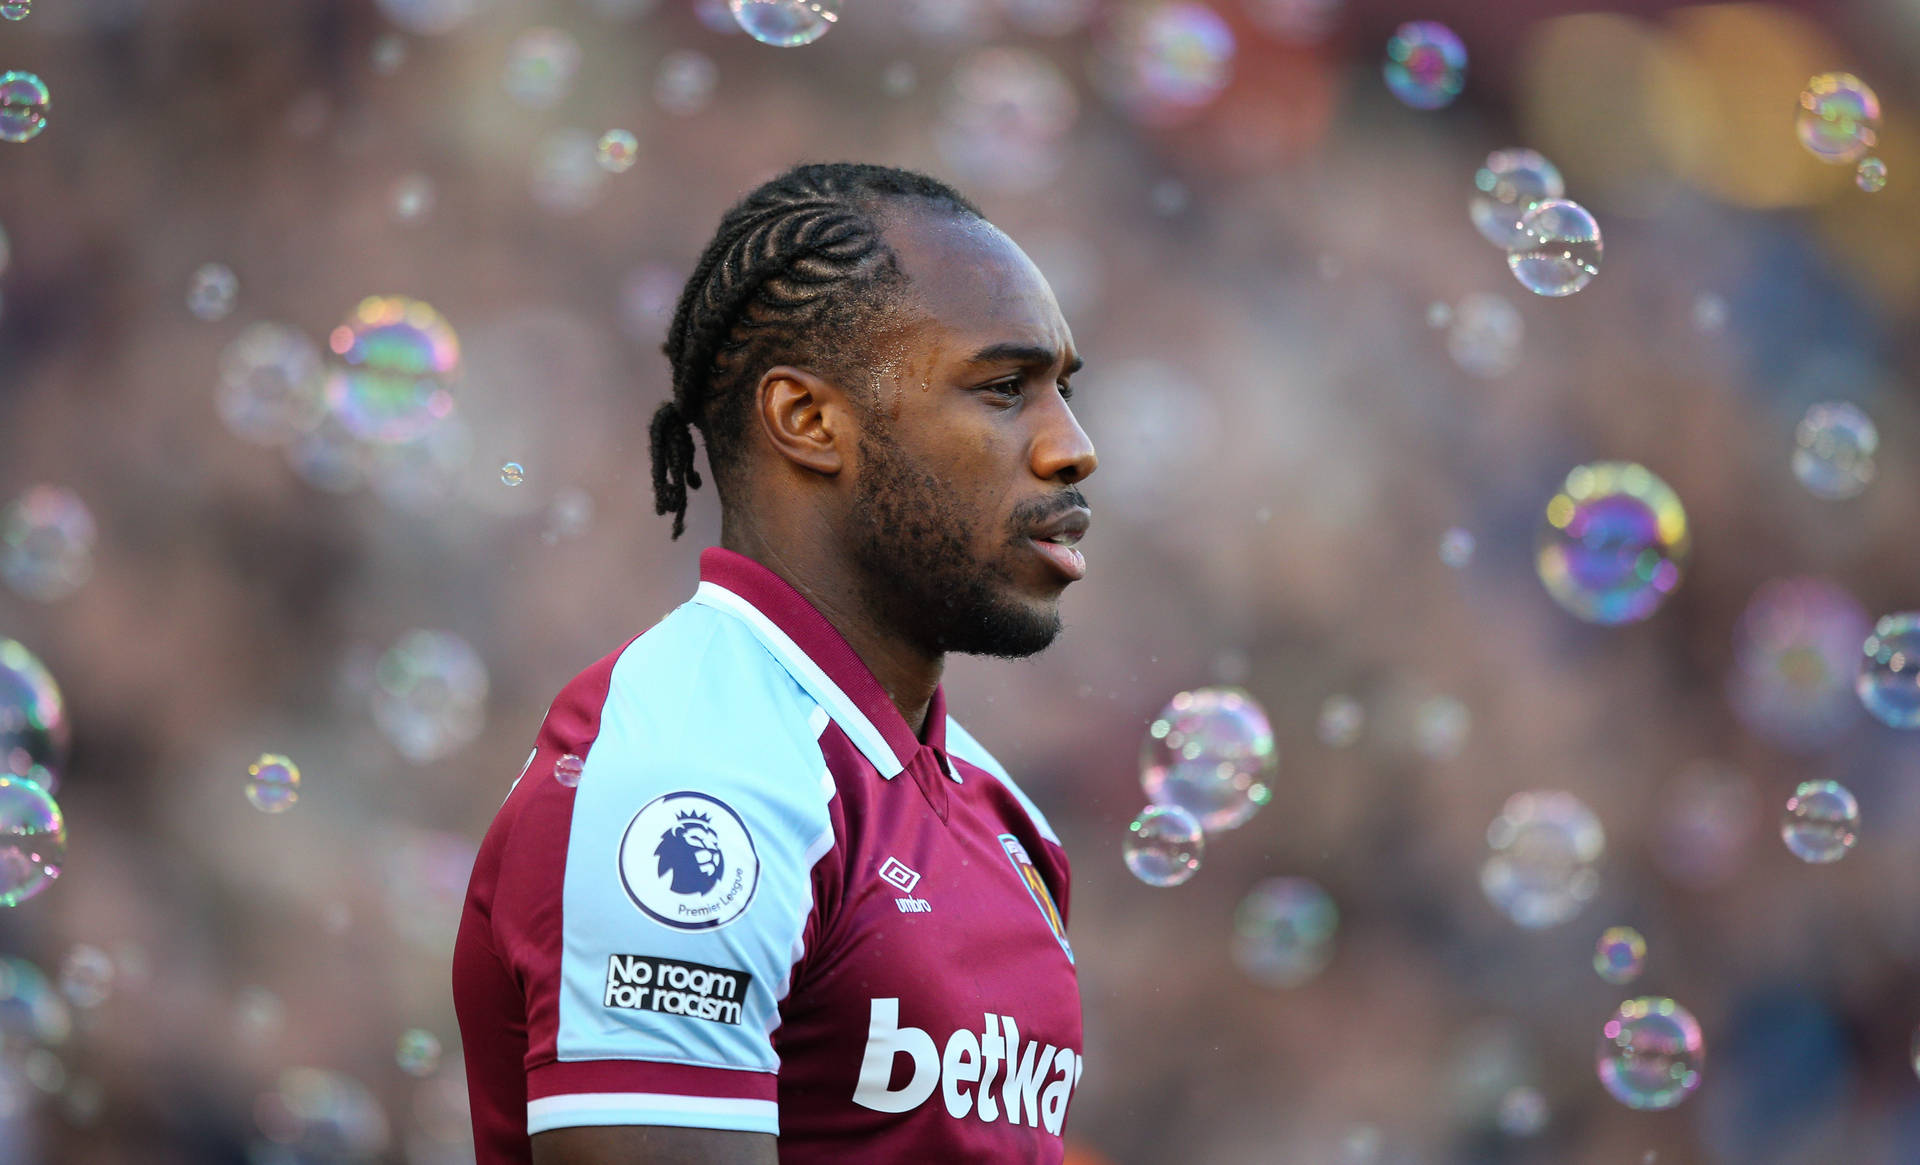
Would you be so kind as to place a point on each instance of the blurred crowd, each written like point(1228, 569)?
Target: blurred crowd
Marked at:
point(1268, 264)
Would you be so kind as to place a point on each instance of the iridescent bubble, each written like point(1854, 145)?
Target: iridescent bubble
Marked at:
point(273, 783)
point(685, 82)
point(34, 732)
point(1163, 845)
point(1650, 1054)
point(618, 151)
point(33, 840)
point(86, 976)
point(1426, 64)
point(1888, 682)
point(1620, 955)
point(1210, 751)
point(429, 696)
point(1456, 547)
point(1486, 335)
point(1523, 1112)
point(411, 198)
point(785, 23)
point(567, 770)
point(272, 384)
point(417, 1052)
point(319, 1114)
point(212, 291)
point(1613, 542)
point(1003, 117)
point(1163, 61)
point(512, 473)
point(1796, 650)
point(16, 9)
point(1833, 451)
point(1283, 931)
point(566, 176)
point(1821, 822)
point(46, 543)
point(1559, 250)
point(541, 63)
point(396, 358)
point(1510, 184)
point(1341, 721)
point(1870, 175)
point(1544, 849)
point(1838, 118)
point(24, 102)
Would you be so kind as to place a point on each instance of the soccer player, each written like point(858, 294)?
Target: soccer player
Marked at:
point(756, 896)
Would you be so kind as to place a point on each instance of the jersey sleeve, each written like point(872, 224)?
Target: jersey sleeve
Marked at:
point(658, 910)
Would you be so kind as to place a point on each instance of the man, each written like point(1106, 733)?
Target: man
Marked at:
point(756, 896)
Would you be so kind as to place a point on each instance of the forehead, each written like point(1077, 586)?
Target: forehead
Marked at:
point(973, 283)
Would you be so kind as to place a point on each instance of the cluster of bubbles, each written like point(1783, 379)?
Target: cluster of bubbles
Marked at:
point(1426, 65)
point(785, 23)
point(24, 101)
point(1620, 955)
point(1162, 61)
point(1796, 651)
point(1889, 679)
point(1553, 245)
point(1612, 542)
point(1820, 822)
point(1543, 858)
point(429, 694)
point(1838, 123)
point(34, 739)
point(1283, 931)
point(1833, 451)
point(1651, 1052)
point(46, 543)
point(273, 783)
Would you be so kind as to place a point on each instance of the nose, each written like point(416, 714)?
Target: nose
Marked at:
point(1064, 450)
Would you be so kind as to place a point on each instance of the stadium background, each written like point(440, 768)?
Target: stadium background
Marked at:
point(1284, 439)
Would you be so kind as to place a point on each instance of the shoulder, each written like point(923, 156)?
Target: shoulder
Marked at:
point(962, 745)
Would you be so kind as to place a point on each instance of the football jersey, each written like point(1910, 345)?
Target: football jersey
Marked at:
point(733, 889)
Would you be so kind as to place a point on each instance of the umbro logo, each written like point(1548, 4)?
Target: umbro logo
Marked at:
point(903, 878)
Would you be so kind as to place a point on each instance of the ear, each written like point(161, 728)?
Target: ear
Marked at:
point(808, 420)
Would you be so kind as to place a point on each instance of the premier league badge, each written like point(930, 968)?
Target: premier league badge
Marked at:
point(688, 861)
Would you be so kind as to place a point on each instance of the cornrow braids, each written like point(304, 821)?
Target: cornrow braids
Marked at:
point(794, 274)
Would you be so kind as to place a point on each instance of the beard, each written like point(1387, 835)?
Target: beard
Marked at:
point(919, 571)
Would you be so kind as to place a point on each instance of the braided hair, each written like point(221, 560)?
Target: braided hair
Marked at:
point(795, 274)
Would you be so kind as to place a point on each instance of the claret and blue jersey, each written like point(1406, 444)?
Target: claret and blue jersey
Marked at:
point(767, 905)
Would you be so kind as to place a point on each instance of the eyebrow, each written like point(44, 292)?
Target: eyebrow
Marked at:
point(1014, 352)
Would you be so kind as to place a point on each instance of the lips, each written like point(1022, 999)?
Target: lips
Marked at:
point(1066, 559)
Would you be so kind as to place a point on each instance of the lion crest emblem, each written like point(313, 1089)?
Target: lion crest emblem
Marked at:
point(690, 854)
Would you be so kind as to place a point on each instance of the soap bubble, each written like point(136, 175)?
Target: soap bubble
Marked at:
point(16, 9)
point(1210, 752)
point(273, 783)
point(1523, 1112)
point(272, 384)
point(1619, 955)
point(1162, 61)
point(541, 63)
point(1456, 547)
point(1510, 184)
point(1283, 931)
point(1426, 64)
point(1888, 682)
point(417, 1052)
point(429, 696)
point(617, 151)
point(396, 359)
point(785, 23)
point(1613, 542)
point(1796, 651)
point(33, 840)
point(1820, 822)
point(1003, 117)
point(512, 473)
point(86, 976)
point(46, 543)
point(1544, 850)
point(1486, 335)
point(24, 101)
point(1340, 723)
point(34, 732)
point(1870, 175)
point(211, 291)
point(1559, 249)
point(1837, 119)
point(1163, 845)
point(1833, 451)
point(567, 770)
point(1650, 1055)
point(685, 82)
